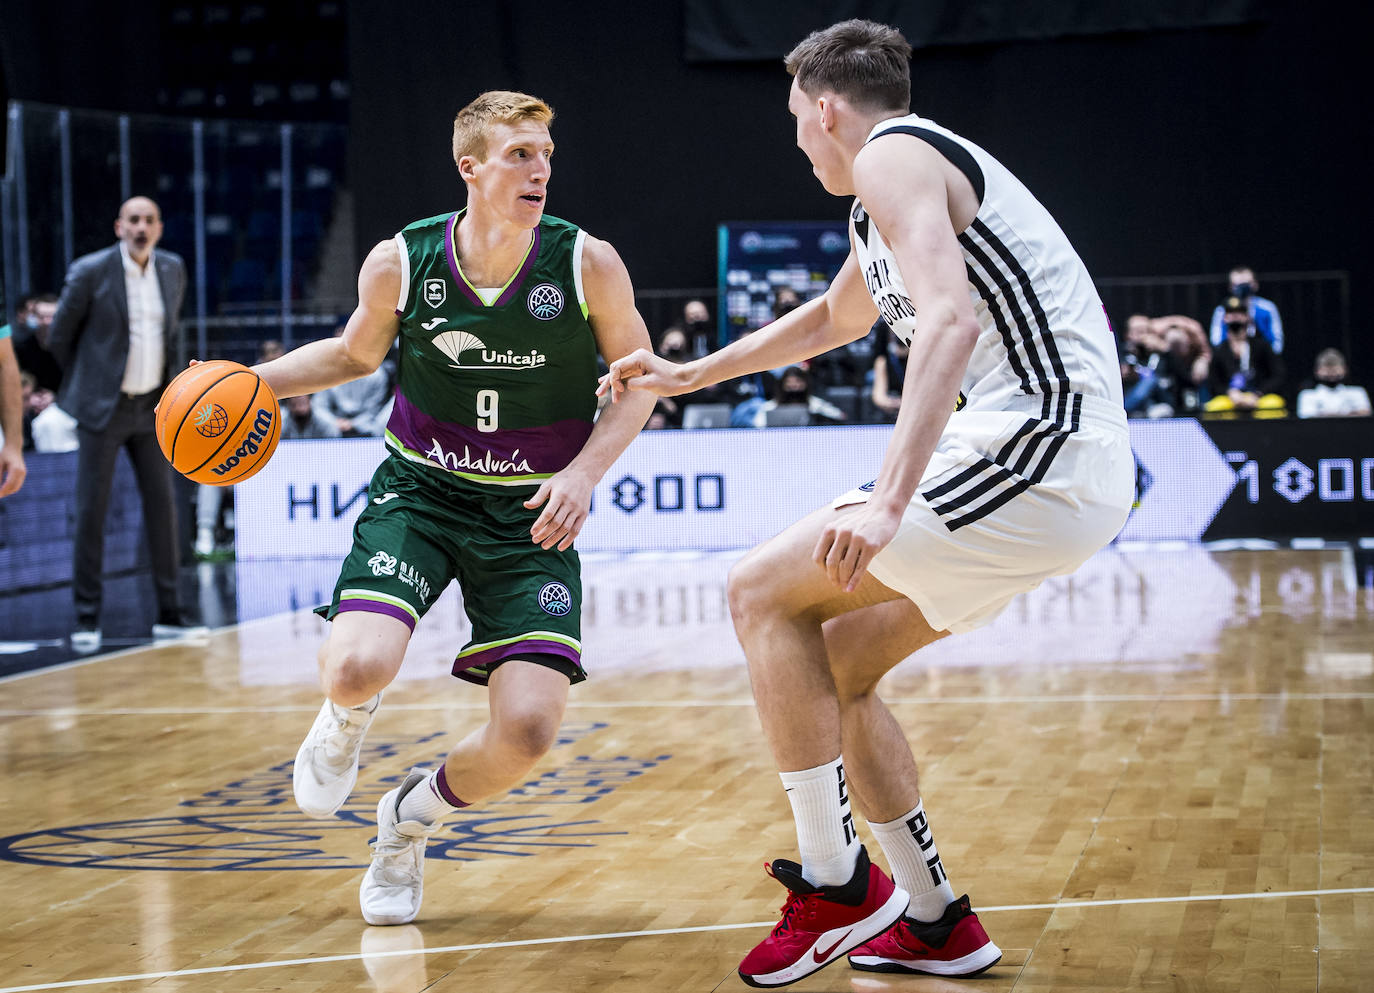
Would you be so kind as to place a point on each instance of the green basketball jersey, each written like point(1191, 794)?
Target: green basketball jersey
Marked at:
point(499, 393)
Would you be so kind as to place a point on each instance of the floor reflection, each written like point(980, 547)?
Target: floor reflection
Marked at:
point(1138, 610)
point(394, 958)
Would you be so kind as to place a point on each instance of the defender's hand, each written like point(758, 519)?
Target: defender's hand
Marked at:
point(643, 370)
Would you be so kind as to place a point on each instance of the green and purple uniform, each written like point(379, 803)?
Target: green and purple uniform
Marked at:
point(495, 393)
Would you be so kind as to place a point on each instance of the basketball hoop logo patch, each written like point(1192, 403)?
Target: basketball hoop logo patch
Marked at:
point(555, 599)
point(545, 301)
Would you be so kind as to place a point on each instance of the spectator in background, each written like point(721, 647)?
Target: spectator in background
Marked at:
point(361, 407)
point(1330, 395)
point(31, 331)
point(1144, 392)
point(660, 419)
point(304, 420)
point(27, 389)
point(888, 372)
point(49, 428)
point(1246, 376)
point(1164, 365)
point(1264, 315)
point(794, 388)
point(116, 333)
point(696, 324)
point(36, 401)
point(12, 469)
point(673, 346)
point(785, 300)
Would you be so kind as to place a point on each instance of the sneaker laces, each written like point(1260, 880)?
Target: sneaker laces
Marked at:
point(336, 743)
point(398, 857)
point(793, 906)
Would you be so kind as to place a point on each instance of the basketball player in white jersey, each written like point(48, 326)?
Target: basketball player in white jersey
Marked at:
point(1009, 463)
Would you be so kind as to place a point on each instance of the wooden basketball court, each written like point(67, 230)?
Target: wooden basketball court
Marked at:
point(1154, 775)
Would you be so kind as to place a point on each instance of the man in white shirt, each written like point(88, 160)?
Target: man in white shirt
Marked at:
point(1330, 395)
point(116, 334)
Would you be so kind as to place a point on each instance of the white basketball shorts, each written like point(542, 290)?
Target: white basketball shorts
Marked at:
point(1009, 499)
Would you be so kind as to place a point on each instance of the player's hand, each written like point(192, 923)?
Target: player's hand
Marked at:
point(848, 543)
point(567, 499)
point(12, 470)
point(643, 370)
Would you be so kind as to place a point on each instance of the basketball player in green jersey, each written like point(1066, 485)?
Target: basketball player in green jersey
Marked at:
point(492, 456)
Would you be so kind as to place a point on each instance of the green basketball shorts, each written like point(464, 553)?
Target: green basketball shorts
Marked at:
point(420, 530)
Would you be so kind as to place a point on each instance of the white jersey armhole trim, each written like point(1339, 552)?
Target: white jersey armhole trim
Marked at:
point(578, 242)
point(404, 299)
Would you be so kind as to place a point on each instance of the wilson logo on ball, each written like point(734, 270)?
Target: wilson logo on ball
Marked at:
point(262, 426)
point(211, 420)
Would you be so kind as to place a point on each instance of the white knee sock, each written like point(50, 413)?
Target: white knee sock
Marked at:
point(825, 827)
point(916, 867)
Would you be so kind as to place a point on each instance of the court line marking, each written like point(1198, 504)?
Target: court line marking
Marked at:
point(530, 942)
point(728, 702)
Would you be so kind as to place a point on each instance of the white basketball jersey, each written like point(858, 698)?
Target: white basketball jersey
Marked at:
point(1045, 335)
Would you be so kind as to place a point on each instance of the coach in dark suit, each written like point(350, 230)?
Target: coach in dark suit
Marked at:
point(117, 335)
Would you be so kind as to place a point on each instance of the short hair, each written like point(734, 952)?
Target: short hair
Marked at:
point(1330, 356)
point(865, 62)
point(473, 122)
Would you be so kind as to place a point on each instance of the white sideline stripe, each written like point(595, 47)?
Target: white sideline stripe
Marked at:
point(728, 702)
point(529, 942)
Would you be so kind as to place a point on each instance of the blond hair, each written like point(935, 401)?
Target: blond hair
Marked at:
point(471, 126)
point(862, 61)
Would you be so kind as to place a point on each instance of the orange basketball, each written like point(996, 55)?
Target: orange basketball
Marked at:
point(218, 423)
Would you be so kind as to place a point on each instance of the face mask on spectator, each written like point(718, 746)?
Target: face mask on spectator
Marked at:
point(1241, 290)
point(1332, 379)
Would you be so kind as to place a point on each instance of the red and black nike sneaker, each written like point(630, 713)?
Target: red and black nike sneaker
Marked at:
point(821, 923)
point(955, 945)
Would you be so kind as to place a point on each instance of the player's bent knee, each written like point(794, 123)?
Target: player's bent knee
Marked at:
point(747, 588)
point(527, 735)
point(352, 674)
point(853, 687)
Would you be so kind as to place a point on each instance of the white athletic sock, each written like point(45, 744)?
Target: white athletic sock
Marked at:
point(916, 867)
point(429, 802)
point(825, 827)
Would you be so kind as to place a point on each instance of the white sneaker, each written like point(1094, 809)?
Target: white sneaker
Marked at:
point(180, 632)
point(86, 640)
point(205, 542)
point(394, 884)
point(327, 763)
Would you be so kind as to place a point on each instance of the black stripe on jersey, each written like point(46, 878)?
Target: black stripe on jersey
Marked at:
point(1008, 295)
point(1016, 269)
point(1011, 478)
point(959, 156)
point(860, 218)
point(1003, 328)
point(982, 465)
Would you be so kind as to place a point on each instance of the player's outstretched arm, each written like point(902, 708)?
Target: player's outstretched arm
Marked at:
point(903, 188)
point(367, 338)
point(844, 313)
point(620, 332)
